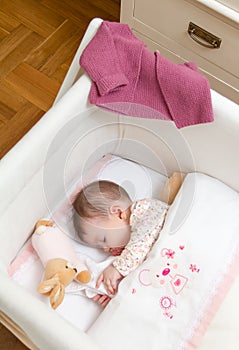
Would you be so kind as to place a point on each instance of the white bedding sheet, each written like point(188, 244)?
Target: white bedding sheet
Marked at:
point(27, 270)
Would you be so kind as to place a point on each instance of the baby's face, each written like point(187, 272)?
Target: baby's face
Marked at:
point(105, 233)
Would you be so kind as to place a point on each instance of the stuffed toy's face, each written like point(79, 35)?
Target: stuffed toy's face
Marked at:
point(58, 274)
point(62, 268)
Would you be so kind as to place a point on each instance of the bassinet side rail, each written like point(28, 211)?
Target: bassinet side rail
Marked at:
point(74, 70)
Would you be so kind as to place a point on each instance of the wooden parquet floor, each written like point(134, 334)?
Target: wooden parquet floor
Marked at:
point(38, 39)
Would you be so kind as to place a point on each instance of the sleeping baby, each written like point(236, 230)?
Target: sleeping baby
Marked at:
point(105, 217)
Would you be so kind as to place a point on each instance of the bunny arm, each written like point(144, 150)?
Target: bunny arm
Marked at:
point(43, 222)
point(83, 276)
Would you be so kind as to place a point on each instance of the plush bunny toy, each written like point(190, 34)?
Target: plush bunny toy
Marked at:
point(59, 259)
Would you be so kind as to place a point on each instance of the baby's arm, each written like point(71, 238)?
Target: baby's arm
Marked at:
point(134, 254)
point(145, 231)
point(131, 257)
point(110, 277)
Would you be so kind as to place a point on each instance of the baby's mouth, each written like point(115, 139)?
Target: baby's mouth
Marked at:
point(116, 250)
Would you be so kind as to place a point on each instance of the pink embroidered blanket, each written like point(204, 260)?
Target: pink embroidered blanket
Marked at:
point(169, 302)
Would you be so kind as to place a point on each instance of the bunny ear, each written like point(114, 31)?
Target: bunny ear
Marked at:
point(57, 295)
point(55, 289)
point(46, 286)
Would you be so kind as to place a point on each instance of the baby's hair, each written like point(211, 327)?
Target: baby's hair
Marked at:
point(96, 200)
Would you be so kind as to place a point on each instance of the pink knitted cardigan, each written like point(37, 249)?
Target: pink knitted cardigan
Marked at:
point(129, 79)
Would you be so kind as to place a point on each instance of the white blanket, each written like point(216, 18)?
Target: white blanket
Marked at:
point(170, 300)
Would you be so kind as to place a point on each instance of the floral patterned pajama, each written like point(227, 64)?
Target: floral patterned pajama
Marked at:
point(146, 221)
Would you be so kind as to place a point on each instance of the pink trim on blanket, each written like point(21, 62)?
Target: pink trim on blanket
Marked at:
point(21, 259)
point(216, 302)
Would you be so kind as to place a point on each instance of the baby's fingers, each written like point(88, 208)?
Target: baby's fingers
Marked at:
point(109, 288)
point(105, 301)
point(99, 281)
point(114, 286)
point(96, 297)
point(102, 300)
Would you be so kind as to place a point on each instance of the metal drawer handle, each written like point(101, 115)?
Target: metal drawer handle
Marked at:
point(202, 37)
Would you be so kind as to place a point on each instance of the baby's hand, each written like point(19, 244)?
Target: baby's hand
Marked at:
point(102, 300)
point(110, 277)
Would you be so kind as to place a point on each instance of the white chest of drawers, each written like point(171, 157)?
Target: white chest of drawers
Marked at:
point(163, 25)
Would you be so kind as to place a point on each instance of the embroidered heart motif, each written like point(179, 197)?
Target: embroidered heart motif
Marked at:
point(165, 272)
point(181, 247)
point(177, 282)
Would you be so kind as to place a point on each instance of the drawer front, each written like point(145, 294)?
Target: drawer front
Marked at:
point(171, 19)
point(233, 4)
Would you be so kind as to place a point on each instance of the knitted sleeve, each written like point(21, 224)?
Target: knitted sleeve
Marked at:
point(100, 60)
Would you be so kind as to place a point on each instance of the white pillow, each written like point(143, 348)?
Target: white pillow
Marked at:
point(139, 181)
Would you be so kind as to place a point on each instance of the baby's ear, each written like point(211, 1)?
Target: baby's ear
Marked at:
point(116, 210)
